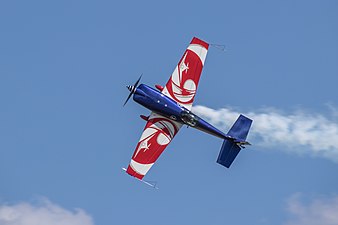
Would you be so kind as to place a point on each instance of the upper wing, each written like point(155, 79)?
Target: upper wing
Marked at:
point(157, 134)
point(183, 83)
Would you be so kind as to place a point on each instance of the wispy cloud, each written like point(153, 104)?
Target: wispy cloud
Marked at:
point(299, 132)
point(321, 211)
point(45, 213)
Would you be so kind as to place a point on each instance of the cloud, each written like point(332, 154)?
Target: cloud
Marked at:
point(299, 132)
point(321, 211)
point(44, 213)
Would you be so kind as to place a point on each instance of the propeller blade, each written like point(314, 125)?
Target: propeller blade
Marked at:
point(130, 94)
point(132, 89)
point(135, 85)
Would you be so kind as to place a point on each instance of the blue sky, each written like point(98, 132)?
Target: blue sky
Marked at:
point(64, 134)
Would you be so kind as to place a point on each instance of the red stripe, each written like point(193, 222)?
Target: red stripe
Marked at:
point(133, 173)
point(195, 40)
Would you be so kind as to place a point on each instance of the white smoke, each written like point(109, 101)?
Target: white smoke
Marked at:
point(299, 132)
point(45, 213)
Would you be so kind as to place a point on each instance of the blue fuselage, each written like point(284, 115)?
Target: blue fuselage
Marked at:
point(165, 106)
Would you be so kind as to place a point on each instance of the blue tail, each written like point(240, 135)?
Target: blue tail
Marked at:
point(235, 141)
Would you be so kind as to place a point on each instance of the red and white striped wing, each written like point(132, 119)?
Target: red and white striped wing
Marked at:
point(157, 134)
point(183, 83)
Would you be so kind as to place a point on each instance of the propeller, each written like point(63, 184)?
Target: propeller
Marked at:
point(132, 89)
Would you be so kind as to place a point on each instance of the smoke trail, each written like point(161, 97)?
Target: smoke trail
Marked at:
point(299, 132)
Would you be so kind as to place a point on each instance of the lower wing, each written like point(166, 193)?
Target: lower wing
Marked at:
point(157, 134)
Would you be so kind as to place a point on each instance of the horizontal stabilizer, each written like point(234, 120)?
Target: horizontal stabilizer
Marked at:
point(232, 146)
point(241, 128)
point(228, 153)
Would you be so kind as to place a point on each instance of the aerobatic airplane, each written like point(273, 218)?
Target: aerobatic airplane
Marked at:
point(170, 108)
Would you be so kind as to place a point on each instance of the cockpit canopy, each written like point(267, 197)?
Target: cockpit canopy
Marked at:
point(189, 118)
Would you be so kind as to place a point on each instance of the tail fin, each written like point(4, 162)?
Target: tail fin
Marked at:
point(236, 141)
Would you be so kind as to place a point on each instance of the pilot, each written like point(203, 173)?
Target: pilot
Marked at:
point(188, 118)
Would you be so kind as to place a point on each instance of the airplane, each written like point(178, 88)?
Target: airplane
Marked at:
point(170, 108)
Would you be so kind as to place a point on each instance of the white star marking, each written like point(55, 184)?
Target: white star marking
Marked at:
point(183, 66)
point(144, 145)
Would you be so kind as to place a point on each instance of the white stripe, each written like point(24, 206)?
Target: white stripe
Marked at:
point(199, 50)
point(140, 168)
point(166, 92)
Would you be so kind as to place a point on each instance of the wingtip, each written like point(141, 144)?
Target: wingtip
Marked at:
point(196, 40)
